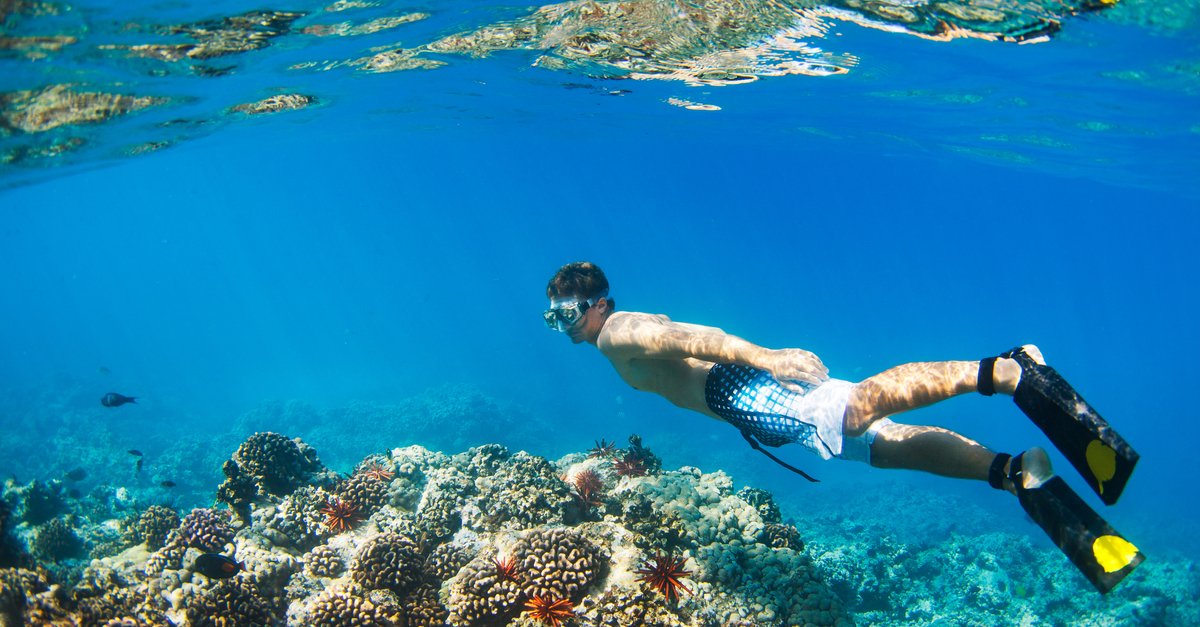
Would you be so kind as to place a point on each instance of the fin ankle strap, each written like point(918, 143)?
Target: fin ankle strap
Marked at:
point(985, 384)
point(996, 475)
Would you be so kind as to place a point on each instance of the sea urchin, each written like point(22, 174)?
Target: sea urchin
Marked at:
point(549, 611)
point(340, 515)
point(376, 471)
point(664, 573)
point(589, 487)
point(507, 568)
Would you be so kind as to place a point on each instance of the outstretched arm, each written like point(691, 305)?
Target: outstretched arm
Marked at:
point(645, 336)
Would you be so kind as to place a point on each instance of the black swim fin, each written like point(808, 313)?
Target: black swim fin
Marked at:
point(1097, 550)
point(1093, 447)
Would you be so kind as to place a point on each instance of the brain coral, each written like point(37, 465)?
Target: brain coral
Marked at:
point(205, 529)
point(339, 609)
point(230, 603)
point(367, 492)
point(388, 560)
point(299, 517)
point(445, 561)
point(154, 524)
point(277, 463)
point(55, 540)
point(424, 608)
point(323, 561)
point(480, 595)
point(515, 491)
point(557, 563)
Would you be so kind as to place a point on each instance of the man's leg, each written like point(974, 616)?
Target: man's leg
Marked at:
point(915, 385)
point(930, 449)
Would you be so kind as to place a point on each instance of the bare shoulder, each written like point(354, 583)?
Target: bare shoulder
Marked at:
point(626, 330)
point(626, 319)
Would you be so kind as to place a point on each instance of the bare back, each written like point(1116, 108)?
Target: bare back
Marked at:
point(679, 380)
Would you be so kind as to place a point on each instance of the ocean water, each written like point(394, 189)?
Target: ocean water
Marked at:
point(366, 270)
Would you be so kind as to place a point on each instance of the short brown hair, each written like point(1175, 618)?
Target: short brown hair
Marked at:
point(581, 279)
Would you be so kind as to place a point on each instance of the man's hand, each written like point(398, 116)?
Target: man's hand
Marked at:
point(789, 365)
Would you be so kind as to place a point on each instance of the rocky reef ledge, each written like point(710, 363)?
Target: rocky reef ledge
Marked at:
point(416, 538)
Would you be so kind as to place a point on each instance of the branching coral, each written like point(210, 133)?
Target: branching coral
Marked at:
point(445, 561)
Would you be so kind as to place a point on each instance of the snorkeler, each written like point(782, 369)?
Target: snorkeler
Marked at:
point(776, 397)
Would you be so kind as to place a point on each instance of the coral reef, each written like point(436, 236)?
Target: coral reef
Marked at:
point(55, 540)
point(275, 104)
point(205, 529)
point(338, 609)
point(230, 603)
point(277, 464)
point(366, 492)
point(324, 561)
point(154, 524)
point(38, 111)
point(494, 538)
point(387, 561)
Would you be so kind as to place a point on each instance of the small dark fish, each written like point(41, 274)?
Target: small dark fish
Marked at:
point(105, 371)
point(167, 484)
point(138, 466)
point(77, 474)
point(217, 566)
point(134, 452)
point(73, 493)
point(112, 399)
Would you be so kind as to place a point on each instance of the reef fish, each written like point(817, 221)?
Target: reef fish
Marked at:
point(77, 474)
point(112, 399)
point(167, 484)
point(217, 566)
point(134, 452)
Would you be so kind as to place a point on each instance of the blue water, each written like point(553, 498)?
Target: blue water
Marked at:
point(941, 200)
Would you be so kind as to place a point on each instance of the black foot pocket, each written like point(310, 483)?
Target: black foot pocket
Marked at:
point(1097, 550)
point(1094, 448)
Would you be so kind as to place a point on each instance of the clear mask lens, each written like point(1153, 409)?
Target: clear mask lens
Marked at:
point(565, 316)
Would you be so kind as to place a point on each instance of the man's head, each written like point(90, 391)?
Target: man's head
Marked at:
point(579, 302)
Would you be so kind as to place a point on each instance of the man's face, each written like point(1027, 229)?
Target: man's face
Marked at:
point(578, 331)
point(576, 317)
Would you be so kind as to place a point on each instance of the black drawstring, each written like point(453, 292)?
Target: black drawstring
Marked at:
point(758, 447)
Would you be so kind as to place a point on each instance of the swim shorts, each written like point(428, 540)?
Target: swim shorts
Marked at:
point(756, 403)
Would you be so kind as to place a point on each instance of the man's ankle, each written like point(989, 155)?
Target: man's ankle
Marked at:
point(1006, 374)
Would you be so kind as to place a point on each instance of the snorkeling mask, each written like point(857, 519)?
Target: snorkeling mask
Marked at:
point(565, 312)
